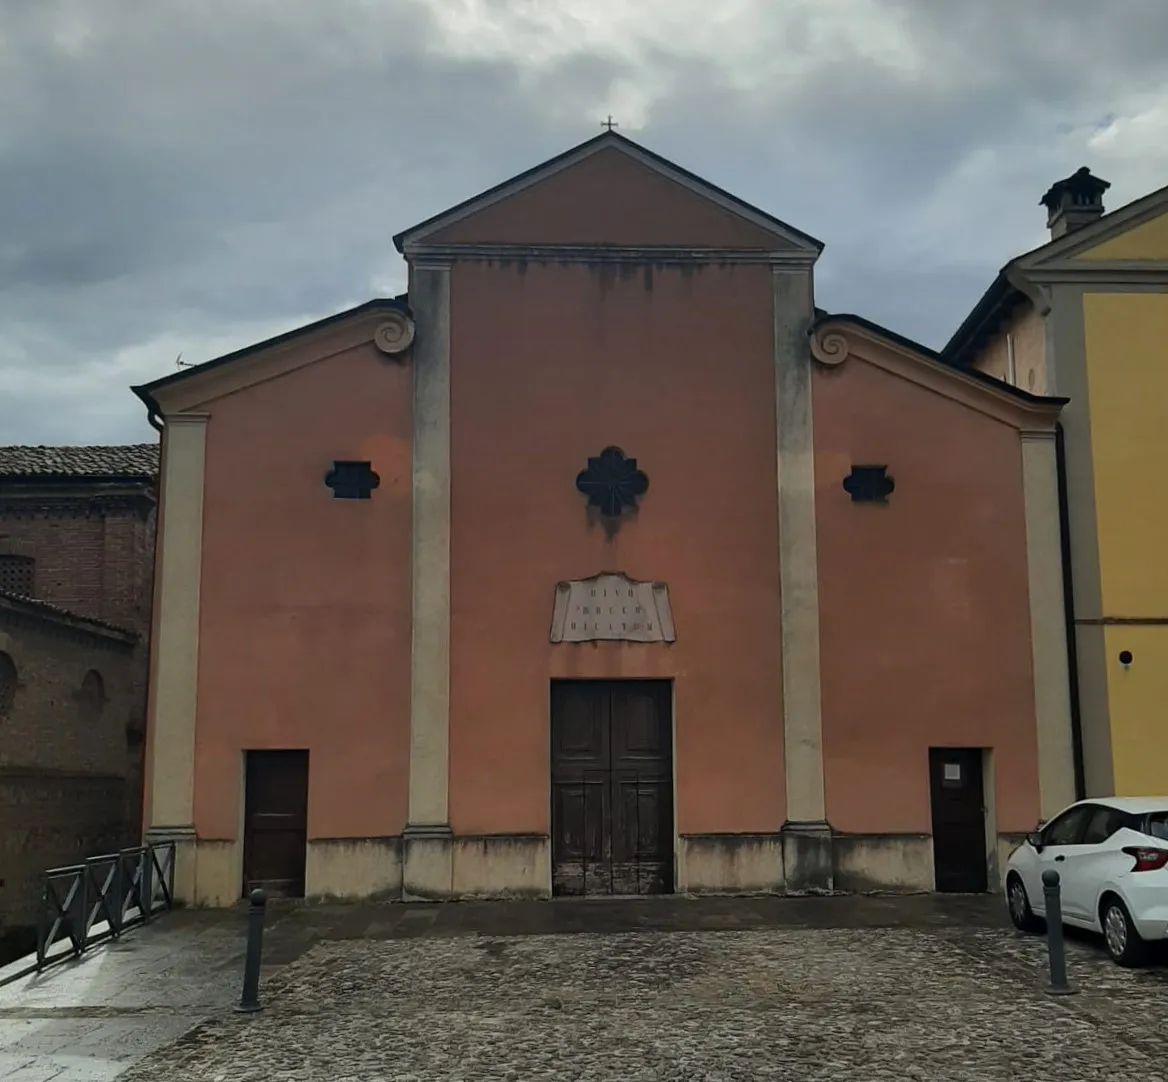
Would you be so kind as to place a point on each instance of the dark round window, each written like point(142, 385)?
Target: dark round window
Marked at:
point(1125, 657)
point(7, 684)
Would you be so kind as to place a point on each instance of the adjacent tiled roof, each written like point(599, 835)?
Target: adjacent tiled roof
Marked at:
point(46, 608)
point(129, 460)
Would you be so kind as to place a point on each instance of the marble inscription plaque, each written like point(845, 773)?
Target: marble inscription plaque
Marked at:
point(612, 607)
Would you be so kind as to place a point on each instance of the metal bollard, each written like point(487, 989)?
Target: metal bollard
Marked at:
point(1055, 946)
point(250, 1000)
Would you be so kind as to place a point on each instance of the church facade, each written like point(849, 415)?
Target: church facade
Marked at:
point(602, 562)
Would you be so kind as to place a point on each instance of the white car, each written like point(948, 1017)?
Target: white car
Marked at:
point(1111, 854)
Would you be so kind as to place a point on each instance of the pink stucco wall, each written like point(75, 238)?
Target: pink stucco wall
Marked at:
point(305, 609)
point(584, 358)
point(924, 605)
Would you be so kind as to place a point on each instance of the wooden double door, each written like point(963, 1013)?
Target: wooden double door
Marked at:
point(612, 787)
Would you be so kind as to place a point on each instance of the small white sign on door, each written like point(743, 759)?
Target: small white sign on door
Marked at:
point(953, 772)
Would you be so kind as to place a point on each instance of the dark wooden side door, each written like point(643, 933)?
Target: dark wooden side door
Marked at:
point(275, 835)
point(959, 822)
point(612, 787)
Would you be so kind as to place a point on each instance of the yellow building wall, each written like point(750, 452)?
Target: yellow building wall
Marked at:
point(1138, 700)
point(1029, 332)
point(1127, 386)
point(1147, 241)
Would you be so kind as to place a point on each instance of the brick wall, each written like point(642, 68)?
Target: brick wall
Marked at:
point(47, 821)
point(70, 776)
point(66, 771)
point(94, 553)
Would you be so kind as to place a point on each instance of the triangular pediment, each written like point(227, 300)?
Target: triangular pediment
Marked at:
point(1147, 240)
point(387, 323)
point(1135, 237)
point(836, 339)
point(607, 192)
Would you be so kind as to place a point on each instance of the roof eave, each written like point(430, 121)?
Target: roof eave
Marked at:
point(992, 304)
point(35, 608)
point(147, 391)
point(1052, 401)
point(147, 398)
point(77, 478)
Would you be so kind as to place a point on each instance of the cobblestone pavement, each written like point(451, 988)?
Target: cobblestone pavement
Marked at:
point(941, 1003)
point(90, 1020)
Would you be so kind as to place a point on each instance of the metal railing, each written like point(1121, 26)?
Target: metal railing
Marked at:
point(101, 898)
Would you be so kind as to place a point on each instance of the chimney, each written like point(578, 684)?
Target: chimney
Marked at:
point(1074, 202)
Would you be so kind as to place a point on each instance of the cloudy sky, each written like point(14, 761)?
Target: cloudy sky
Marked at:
point(190, 176)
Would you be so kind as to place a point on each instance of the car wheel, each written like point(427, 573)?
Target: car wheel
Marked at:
point(1119, 934)
point(1019, 902)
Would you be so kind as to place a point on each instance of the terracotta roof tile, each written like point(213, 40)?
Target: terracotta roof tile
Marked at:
point(129, 460)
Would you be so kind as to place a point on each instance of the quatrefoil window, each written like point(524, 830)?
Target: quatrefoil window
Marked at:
point(612, 482)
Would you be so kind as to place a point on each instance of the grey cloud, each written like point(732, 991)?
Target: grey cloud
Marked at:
point(855, 155)
point(179, 172)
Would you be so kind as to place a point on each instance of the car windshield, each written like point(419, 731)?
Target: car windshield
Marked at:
point(1158, 825)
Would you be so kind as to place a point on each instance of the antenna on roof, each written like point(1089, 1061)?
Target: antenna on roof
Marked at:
point(178, 363)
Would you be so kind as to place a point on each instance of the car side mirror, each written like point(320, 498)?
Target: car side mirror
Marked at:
point(1035, 839)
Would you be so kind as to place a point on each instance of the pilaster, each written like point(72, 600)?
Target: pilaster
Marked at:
point(807, 838)
point(1048, 628)
point(427, 842)
point(173, 696)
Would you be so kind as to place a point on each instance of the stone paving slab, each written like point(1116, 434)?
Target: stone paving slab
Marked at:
point(945, 1003)
point(92, 1019)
